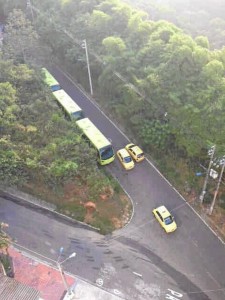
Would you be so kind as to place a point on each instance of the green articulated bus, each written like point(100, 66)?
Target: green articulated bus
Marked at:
point(50, 80)
point(98, 140)
point(70, 108)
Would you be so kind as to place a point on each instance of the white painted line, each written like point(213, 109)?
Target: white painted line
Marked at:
point(116, 292)
point(99, 282)
point(135, 273)
point(210, 275)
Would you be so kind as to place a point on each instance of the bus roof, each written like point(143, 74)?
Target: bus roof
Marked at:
point(93, 133)
point(66, 101)
point(49, 79)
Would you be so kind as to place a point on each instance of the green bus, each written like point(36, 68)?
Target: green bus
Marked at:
point(98, 140)
point(50, 80)
point(70, 108)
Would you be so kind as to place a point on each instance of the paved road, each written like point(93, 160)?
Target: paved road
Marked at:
point(193, 250)
point(109, 263)
point(190, 262)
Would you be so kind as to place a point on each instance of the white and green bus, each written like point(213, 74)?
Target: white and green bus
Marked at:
point(50, 80)
point(98, 140)
point(70, 108)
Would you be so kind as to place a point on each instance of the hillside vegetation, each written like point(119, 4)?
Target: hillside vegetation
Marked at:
point(40, 151)
point(181, 80)
point(164, 87)
point(202, 17)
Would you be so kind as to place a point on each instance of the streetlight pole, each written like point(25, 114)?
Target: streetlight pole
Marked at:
point(59, 265)
point(212, 151)
point(84, 45)
point(217, 187)
point(63, 278)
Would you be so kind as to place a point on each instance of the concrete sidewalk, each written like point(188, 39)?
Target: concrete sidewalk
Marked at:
point(48, 280)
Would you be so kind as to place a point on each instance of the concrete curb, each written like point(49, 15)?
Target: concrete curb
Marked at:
point(16, 196)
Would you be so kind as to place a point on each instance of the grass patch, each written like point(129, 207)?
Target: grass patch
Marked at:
point(72, 210)
point(112, 206)
point(105, 225)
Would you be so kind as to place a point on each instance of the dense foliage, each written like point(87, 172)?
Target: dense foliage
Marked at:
point(36, 142)
point(41, 151)
point(202, 17)
point(34, 135)
point(166, 86)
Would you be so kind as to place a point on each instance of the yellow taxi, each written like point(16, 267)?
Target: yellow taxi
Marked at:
point(136, 153)
point(125, 159)
point(165, 219)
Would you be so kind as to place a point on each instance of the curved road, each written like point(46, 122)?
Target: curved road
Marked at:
point(140, 261)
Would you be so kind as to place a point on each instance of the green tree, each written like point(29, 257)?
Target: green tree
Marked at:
point(154, 134)
point(21, 41)
point(114, 46)
point(202, 41)
point(201, 57)
point(174, 72)
point(8, 106)
point(121, 13)
point(213, 70)
point(11, 171)
point(99, 21)
point(138, 30)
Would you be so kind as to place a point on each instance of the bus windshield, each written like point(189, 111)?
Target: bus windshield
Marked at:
point(106, 152)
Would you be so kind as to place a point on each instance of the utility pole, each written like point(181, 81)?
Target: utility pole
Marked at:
point(217, 187)
point(84, 45)
point(211, 153)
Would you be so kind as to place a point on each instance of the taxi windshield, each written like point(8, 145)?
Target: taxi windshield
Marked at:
point(127, 159)
point(168, 220)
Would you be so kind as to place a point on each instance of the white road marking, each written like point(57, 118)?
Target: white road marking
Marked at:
point(172, 294)
point(99, 282)
point(210, 275)
point(116, 292)
point(135, 273)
